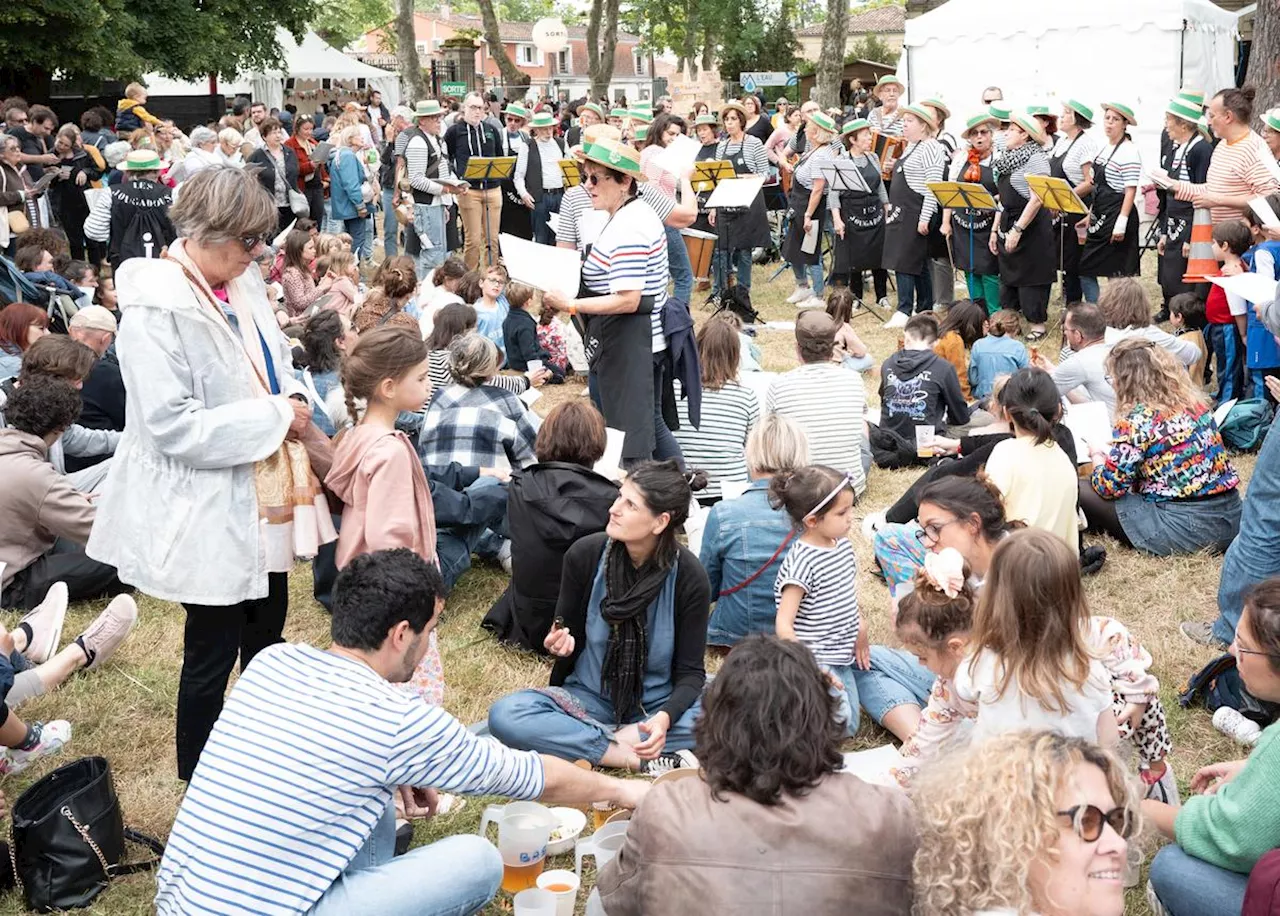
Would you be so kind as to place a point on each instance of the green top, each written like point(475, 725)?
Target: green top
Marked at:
point(1237, 826)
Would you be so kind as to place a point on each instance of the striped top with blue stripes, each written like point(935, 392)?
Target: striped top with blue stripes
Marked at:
point(299, 768)
point(1122, 165)
point(631, 254)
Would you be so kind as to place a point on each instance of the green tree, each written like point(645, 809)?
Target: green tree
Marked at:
point(761, 38)
point(870, 47)
point(340, 22)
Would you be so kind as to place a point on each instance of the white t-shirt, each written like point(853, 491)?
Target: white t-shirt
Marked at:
point(1086, 368)
point(977, 680)
point(631, 254)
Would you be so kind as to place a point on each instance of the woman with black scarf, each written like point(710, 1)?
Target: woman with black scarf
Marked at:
point(629, 637)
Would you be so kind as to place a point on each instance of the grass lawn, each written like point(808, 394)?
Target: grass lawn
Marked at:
point(126, 711)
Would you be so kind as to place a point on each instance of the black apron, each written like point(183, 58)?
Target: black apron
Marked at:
point(862, 247)
point(619, 350)
point(797, 207)
point(906, 251)
point(703, 223)
point(517, 219)
point(1066, 240)
point(971, 233)
point(1175, 226)
point(1102, 258)
point(1033, 263)
point(743, 229)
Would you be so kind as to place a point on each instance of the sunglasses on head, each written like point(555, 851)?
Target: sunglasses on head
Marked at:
point(1087, 821)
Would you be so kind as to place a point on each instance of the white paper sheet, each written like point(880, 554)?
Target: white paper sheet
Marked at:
point(1268, 216)
point(735, 192)
point(1219, 415)
point(678, 156)
point(875, 766)
point(1090, 423)
point(530, 396)
point(780, 325)
point(758, 382)
point(610, 463)
point(1256, 288)
point(732, 489)
point(590, 224)
point(553, 220)
point(809, 242)
point(545, 267)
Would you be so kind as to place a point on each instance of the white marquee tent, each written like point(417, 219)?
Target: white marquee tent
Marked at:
point(1139, 52)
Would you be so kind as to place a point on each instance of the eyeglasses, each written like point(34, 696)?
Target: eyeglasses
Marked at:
point(251, 242)
point(592, 179)
point(932, 530)
point(982, 132)
point(1087, 821)
point(1243, 651)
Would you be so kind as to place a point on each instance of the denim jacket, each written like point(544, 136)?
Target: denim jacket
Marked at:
point(740, 537)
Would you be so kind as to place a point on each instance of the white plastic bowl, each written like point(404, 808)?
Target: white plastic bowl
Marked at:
point(571, 822)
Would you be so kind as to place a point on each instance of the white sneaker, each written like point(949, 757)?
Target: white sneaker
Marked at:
point(813, 302)
point(898, 320)
point(53, 735)
point(802, 293)
point(884, 302)
point(504, 556)
point(871, 524)
point(666, 762)
point(46, 624)
point(1232, 724)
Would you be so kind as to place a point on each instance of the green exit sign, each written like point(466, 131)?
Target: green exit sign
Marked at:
point(458, 89)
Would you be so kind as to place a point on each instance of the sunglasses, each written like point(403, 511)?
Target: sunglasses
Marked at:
point(592, 179)
point(1087, 821)
point(982, 132)
point(251, 242)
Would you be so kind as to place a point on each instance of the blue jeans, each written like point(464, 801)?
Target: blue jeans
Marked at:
point(849, 711)
point(455, 543)
point(917, 286)
point(542, 209)
point(428, 222)
point(532, 721)
point(739, 260)
point(356, 228)
point(1255, 553)
point(455, 876)
point(896, 678)
point(811, 276)
point(664, 442)
point(1188, 886)
point(1223, 341)
point(390, 227)
point(681, 268)
point(1089, 288)
point(370, 232)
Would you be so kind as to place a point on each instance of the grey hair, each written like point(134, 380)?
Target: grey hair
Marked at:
point(220, 204)
point(201, 135)
point(6, 139)
point(473, 359)
point(776, 444)
point(231, 135)
point(114, 153)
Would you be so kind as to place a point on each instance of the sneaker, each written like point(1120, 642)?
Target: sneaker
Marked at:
point(46, 624)
point(1092, 559)
point(665, 763)
point(813, 302)
point(884, 302)
point(1201, 634)
point(504, 556)
point(1235, 726)
point(898, 320)
point(53, 735)
point(802, 293)
point(871, 524)
point(102, 637)
point(1165, 789)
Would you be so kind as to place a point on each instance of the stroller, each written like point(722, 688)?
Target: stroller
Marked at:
point(15, 287)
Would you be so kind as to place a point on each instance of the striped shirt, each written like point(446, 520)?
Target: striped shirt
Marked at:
point(631, 254)
point(890, 127)
point(416, 157)
point(828, 620)
point(829, 403)
point(1120, 164)
point(300, 766)
point(752, 150)
point(576, 201)
point(1083, 150)
point(923, 163)
point(1038, 164)
point(1244, 168)
point(718, 445)
point(808, 168)
point(439, 376)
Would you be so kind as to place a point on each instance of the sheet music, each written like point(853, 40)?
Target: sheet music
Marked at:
point(678, 155)
point(610, 462)
point(1250, 287)
point(1268, 216)
point(1090, 424)
point(736, 192)
point(844, 175)
point(545, 267)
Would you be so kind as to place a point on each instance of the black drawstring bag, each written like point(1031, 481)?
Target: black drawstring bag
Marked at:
point(67, 837)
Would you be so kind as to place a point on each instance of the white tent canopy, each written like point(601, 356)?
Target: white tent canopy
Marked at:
point(1139, 52)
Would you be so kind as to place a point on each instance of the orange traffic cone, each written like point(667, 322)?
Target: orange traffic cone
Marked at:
point(1201, 264)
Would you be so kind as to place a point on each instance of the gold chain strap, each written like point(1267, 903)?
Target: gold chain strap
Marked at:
point(84, 835)
point(13, 858)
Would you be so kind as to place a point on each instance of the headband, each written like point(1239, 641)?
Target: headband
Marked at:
point(845, 481)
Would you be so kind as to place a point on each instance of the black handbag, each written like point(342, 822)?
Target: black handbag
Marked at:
point(67, 837)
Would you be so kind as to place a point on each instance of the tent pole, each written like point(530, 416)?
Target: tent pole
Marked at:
point(1182, 54)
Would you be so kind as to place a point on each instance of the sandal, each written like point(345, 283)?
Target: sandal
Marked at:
point(1034, 336)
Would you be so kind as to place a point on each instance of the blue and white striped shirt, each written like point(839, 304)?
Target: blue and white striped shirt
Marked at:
point(631, 254)
point(299, 768)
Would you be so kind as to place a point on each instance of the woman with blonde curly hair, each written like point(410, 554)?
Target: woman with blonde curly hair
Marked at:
point(1166, 485)
point(1028, 823)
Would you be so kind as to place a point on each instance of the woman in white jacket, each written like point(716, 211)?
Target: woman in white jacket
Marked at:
point(210, 393)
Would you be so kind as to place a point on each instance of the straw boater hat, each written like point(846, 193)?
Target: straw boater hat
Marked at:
point(593, 107)
point(977, 121)
point(619, 113)
point(708, 119)
point(1041, 110)
point(737, 106)
point(886, 80)
point(612, 154)
point(519, 111)
point(1271, 118)
point(1000, 113)
point(427, 109)
point(1079, 108)
point(542, 119)
point(141, 160)
point(1034, 129)
point(641, 115)
point(852, 127)
point(823, 122)
point(937, 105)
point(1123, 111)
point(1193, 96)
point(1183, 110)
point(927, 115)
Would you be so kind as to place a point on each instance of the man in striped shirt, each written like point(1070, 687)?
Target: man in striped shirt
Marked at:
point(290, 807)
point(1242, 166)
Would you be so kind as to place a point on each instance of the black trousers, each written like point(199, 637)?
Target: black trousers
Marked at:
point(879, 279)
point(66, 562)
point(212, 639)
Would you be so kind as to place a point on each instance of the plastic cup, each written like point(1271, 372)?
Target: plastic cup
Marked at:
point(924, 441)
point(534, 902)
point(535, 365)
point(564, 885)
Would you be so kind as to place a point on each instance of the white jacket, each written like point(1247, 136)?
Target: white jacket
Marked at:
point(179, 514)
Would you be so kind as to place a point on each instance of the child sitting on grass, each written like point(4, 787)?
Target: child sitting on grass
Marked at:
point(851, 352)
point(997, 353)
point(816, 589)
point(520, 332)
point(958, 331)
point(918, 387)
point(552, 338)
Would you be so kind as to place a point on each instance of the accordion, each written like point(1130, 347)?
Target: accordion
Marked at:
point(887, 149)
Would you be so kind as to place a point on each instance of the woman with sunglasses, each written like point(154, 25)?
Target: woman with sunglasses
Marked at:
point(211, 394)
point(1025, 823)
point(517, 218)
point(1233, 818)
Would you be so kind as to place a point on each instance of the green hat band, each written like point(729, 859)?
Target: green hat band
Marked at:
point(616, 158)
point(1028, 123)
point(887, 79)
point(1180, 108)
point(637, 114)
point(976, 120)
point(924, 114)
point(822, 122)
point(710, 119)
point(1271, 118)
point(1194, 96)
point(852, 127)
point(592, 106)
point(1123, 110)
point(427, 109)
point(1000, 114)
point(618, 113)
point(1038, 110)
point(518, 111)
point(543, 119)
point(141, 160)
point(1080, 108)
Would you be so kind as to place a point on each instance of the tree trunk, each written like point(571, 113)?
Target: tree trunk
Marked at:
point(831, 58)
point(1264, 57)
point(511, 74)
point(412, 85)
point(689, 53)
point(602, 39)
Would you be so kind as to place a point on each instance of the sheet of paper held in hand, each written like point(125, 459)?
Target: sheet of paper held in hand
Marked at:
point(678, 155)
point(1258, 289)
point(1090, 424)
point(545, 267)
point(875, 766)
point(1268, 216)
point(736, 192)
point(610, 462)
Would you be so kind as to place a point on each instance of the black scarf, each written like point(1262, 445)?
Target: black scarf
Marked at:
point(1011, 160)
point(628, 594)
